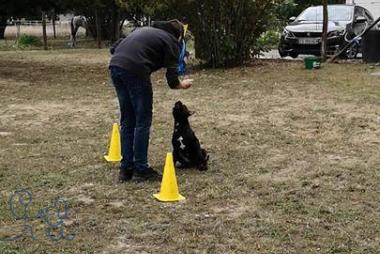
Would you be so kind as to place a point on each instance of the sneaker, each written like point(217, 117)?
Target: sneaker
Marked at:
point(147, 174)
point(125, 174)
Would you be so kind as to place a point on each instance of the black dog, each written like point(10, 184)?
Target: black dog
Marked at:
point(187, 151)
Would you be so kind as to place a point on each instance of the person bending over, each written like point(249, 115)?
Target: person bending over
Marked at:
point(133, 60)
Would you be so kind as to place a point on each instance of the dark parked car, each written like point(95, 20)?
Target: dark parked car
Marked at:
point(303, 34)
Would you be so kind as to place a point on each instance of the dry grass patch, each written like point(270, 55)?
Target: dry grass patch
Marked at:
point(294, 164)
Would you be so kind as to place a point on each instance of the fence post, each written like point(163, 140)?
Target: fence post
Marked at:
point(18, 26)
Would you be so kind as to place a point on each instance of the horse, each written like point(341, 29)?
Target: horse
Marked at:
point(75, 23)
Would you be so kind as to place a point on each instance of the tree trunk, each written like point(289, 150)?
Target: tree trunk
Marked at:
point(117, 25)
point(324, 31)
point(115, 35)
point(44, 30)
point(53, 23)
point(3, 25)
point(98, 28)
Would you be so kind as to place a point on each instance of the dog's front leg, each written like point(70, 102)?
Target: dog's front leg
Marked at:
point(179, 157)
point(176, 157)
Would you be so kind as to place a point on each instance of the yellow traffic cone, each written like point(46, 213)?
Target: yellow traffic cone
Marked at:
point(169, 188)
point(114, 152)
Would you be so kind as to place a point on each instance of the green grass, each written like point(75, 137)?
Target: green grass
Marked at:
point(10, 44)
point(8, 249)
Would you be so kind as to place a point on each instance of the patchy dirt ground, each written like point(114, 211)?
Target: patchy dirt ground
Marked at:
point(295, 158)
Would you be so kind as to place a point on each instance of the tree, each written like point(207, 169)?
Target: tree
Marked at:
point(98, 28)
point(283, 11)
point(226, 32)
point(324, 30)
point(44, 30)
point(116, 16)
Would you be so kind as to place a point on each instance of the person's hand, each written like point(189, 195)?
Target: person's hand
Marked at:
point(185, 84)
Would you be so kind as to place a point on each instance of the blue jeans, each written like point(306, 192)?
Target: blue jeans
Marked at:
point(136, 101)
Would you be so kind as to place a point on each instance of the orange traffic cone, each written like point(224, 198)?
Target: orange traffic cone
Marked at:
point(114, 152)
point(169, 188)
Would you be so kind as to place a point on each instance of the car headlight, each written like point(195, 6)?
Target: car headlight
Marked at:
point(286, 33)
point(336, 33)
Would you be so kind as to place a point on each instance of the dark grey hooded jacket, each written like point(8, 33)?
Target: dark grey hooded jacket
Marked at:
point(148, 49)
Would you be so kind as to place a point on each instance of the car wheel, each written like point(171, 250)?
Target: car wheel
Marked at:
point(282, 54)
point(293, 55)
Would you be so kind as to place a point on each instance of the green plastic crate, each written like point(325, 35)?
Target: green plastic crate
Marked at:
point(312, 63)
